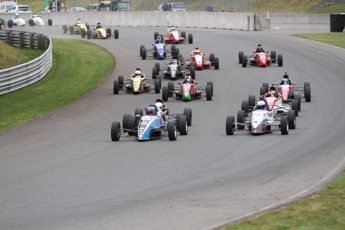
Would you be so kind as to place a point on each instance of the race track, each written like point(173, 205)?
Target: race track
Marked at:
point(63, 172)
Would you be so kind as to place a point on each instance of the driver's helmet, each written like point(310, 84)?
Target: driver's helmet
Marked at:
point(286, 76)
point(172, 28)
point(16, 15)
point(285, 81)
point(137, 73)
point(174, 61)
point(150, 110)
point(261, 105)
point(159, 38)
point(34, 16)
point(98, 25)
point(197, 50)
point(159, 106)
point(188, 79)
point(259, 47)
point(79, 21)
point(272, 91)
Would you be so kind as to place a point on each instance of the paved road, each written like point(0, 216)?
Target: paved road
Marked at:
point(63, 172)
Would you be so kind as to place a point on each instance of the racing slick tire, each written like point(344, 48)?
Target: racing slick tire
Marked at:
point(244, 61)
point(121, 80)
point(280, 60)
point(116, 87)
point(115, 132)
point(291, 119)
point(143, 53)
point(212, 56)
point(240, 119)
point(116, 34)
point(88, 34)
point(294, 106)
point(211, 84)
point(165, 94)
point(179, 57)
point(87, 26)
point(157, 86)
point(183, 125)
point(83, 33)
point(262, 91)
point(307, 94)
point(306, 84)
point(251, 100)
point(188, 113)
point(240, 57)
point(173, 49)
point(230, 125)
point(141, 50)
point(245, 106)
point(155, 35)
point(50, 22)
point(284, 126)
point(192, 71)
point(10, 23)
point(265, 84)
point(191, 64)
point(216, 63)
point(177, 51)
point(125, 119)
point(31, 22)
point(158, 66)
point(172, 132)
point(171, 88)
point(183, 34)
point(209, 93)
point(132, 124)
point(298, 98)
point(71, 30)
point(108, 31)
point(154, 73)
point(138, 112)
point(274, 56)
point(190, 38)
point(64, 29)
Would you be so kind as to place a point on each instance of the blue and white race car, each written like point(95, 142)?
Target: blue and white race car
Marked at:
point(152, 125)
point(159, 50)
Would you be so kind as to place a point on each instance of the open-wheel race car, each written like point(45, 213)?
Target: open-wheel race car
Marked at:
point(292, 91)
point(152, 125)
point(36, 20)
point(173, 70)
point(159, 50)
point(200, 61)
point(78, 28)
point(99, 32)
point(261, 120)
point(261, 59)
point(187, 91)
point(174, 36)
point(16, 20)
point(136, 84)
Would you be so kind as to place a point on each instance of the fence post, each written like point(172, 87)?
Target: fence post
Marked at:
point(8, 37)
point(32, 41)
point(21, 40)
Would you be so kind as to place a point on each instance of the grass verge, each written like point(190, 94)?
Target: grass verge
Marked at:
point(322, 210)
point(78, 67)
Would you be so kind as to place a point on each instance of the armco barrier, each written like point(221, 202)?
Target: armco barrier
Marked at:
point(218, 20)
point(20, 76)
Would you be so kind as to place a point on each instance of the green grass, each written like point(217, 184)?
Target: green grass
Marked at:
point(199, 5)
point(74, 73)
point(324, 210)
point(10, 56)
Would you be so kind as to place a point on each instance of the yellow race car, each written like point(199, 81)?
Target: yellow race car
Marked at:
point(137, 84)
point(99, 32)
point(78, 28)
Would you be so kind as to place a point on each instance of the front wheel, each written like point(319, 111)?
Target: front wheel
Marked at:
point(188, 113)
point(172, 132)
point(165, 94)
point(116, 87)
point(116, 34)
point(115, 132)
point(209, 92)
point(230, 125)
point(280, 60)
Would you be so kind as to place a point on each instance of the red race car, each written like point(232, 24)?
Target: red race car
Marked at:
point(198, 59)
point(260, 58)
point(187, 91)
point(173, 36)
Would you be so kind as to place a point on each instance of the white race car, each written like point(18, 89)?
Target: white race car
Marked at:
point(15, 21)
point(36, 20)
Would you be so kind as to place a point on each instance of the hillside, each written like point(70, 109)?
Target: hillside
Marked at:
point(226, 5)
point(9, 56)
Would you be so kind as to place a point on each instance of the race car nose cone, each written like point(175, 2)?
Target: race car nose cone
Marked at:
point(186, 97)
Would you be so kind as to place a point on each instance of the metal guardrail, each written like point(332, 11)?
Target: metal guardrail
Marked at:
point(23, 75)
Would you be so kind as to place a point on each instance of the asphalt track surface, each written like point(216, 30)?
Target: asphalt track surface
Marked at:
point(63, 172)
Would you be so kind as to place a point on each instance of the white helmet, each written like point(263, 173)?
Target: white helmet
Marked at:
point(137, 72)
point(79, 21)
point(16, 14)
point(260, 105)
point(159, 106)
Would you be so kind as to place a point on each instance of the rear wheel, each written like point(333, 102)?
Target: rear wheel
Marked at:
point(132, 125)
point(158, 66)
point(280, 60)
point(172, 132)
point(240, 119)
point(251, 101)
point(192, 71)
point(88, 34)
point(190, 38)
point(183, 125)
point(171, 88)
point(188, 113)
point(71, 29)
point(230, 125)
point(212, 56)
point(307, 94)
point(141, 50)
point(244, 106)
point(273, 56)
point(284, 126)
point(155, 35)
point(115, 131)
point(262, 91)
point(64, 29)
point(298, 98)
point(154, 73)
point(209, 92)
point(83, 33)
point(183, 34)
point(10, 23)
point(211, 84)
point(50, 22)
point(125, 120)
point(240, 57)
point(157, 86)
point(294, 106)
point(216, 63)
point(244, 61)
point(143, 53)
point(291, 119)
point(116, 34)
point(173, 49)
point(138, 112)
point(121, 80)
point(31, 22)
